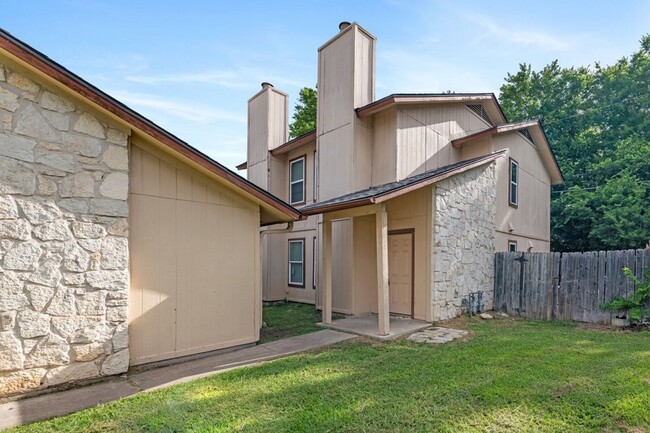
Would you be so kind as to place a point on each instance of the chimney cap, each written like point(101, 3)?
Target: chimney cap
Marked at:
point(266, 85)
point(344, 25)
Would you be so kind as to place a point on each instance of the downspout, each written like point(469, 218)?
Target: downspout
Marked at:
point(263, 234)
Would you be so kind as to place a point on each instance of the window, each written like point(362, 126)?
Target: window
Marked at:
point(314, 268)
point(514, 183)
point(297, 262)
point(297, 181)
point(512, 246)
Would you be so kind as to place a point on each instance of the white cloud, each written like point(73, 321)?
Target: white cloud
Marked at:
point(221, 78)
point(239, 78)
point(182, 109)
point(512, 35)
point(416, 70)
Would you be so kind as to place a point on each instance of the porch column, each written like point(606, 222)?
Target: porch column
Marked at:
point(381, 224)
point(326, 269)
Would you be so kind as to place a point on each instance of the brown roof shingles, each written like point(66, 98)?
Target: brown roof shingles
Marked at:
point(381, 193)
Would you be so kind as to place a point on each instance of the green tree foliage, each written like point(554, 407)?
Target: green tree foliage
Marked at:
point(304, 116)
point(598, 122)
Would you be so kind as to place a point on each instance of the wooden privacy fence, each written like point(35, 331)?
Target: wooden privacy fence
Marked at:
point(565, 286)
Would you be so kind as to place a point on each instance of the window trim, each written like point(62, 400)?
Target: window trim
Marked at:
point(289, 262)
point(304, 179)
point(516, 183)
point(510, 243)
point(314, 264)
point(315, 180)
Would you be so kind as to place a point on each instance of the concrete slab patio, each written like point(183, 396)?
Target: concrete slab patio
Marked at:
point(367, 326)
point(64, 402)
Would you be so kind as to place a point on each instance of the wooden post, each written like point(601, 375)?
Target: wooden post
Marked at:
point(383, 306)
point(326, 269)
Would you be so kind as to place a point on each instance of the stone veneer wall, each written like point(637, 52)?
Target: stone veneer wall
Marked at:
point(463, 240)
point(63, 240)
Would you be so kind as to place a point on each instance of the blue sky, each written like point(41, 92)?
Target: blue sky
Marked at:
point(190, 66)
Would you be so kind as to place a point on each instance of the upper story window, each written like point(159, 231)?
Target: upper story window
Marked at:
point(297, 181)
point(513, 197)
point(512, 246)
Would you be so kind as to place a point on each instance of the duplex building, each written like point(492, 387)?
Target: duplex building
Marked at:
point(408, 196)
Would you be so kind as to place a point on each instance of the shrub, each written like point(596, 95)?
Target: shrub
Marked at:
point(635, 303)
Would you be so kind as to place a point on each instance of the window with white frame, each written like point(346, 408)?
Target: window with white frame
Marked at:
point(297, 181)
point(512, 246)
point(297, 262)
point(513, 197)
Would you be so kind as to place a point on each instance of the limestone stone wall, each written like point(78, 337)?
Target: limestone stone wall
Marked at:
point(463, 241)
point(63, 240)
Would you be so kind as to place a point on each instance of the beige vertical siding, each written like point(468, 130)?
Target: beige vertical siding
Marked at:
point(345, 81)
point(276, 264)
point(258, 128)
point(384, 147)
point(530, 221)
point(195, 261)
point(413, 211)
point(424, 135)
point(476, 148)
point(365, 265)
point(342, 266)
point(336, 153)
point(267, 129)
point(410, 211)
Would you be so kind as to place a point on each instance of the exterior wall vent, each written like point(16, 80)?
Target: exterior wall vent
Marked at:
point(526, 134)
point(480, 112)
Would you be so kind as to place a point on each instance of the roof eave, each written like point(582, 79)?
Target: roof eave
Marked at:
point(295, 143)
point(388, 195)
point(29, 56)
point(415, 99)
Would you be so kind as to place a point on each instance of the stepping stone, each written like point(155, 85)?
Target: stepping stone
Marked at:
point(437, 335)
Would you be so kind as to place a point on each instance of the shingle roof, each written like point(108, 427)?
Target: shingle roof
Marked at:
point(380, 193)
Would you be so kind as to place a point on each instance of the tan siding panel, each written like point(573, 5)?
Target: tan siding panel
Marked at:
point(193, 263)
point(342, 265)
point(531, 218)
point(384, 150)
point(424, 136)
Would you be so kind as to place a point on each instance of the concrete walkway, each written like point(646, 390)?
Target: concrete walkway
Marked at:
point(367, 326)
point(73, 400)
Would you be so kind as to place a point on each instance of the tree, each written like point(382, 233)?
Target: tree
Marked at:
point(598, 123)
point(304, 115)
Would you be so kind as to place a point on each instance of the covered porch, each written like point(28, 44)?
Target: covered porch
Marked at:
point(389, 248)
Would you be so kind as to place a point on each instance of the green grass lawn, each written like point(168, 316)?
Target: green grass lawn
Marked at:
point(508, 376)
point(290, 319)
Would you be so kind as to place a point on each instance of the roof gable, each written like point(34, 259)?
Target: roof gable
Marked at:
point(14, 49)
point(489, 99)
point(538, 135)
